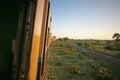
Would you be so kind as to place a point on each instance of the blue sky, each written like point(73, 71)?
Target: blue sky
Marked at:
point(85, 19)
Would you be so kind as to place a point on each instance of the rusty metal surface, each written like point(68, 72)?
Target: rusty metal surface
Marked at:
point(23, 41)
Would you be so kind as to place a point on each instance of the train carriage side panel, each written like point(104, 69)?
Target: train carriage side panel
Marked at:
point(36, 40)
point(42, 39)
point(45, 52)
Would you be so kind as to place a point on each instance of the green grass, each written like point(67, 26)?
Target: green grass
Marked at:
point(100, 45)
point(78, 64)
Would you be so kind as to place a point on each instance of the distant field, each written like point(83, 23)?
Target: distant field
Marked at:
point(68, 63)
point(106, 46)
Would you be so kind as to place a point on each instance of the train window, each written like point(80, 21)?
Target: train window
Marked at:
point(81, 40)
point(88, 40)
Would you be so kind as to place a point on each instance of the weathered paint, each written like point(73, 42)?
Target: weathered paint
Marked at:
point(36, 40)
point(40, 59)
point(42, 37)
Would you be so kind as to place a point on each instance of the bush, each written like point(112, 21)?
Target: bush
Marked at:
point(108, 47)
point(83, 51)
point(76, 69)
point(59, 64)
point(86, 45)
point(79, 44)
point(65, 38)
point(60, 39)
point(103, 74)
point(113, 46)
point(116, 46)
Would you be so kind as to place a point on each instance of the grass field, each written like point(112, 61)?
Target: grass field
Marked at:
point(68, 63)
point(106, 46)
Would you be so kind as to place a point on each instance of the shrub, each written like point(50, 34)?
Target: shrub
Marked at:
point(116, 46)
point(66, 52)
point(103, 74)
point(76, 69)
point(108, 47)
point(60, 39)
point(79, 44)
point(59, 64)
point(86, 45)
point(113, 46)
point(65, 38)
point(83, 51)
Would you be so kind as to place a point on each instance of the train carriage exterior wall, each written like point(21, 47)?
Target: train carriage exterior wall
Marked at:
point(33, 33)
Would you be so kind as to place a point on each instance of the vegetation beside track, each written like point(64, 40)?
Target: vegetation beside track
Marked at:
point(107, 46)
point(68, 63)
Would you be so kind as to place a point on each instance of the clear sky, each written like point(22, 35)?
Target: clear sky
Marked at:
point(85, 19)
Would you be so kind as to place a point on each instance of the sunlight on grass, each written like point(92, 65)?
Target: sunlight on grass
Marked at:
point(69, 63)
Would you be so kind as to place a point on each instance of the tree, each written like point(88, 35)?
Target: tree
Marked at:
point(60, 39)
point(116, 36)
point(66, 38)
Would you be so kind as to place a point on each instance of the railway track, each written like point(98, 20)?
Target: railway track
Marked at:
point(102, 55)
